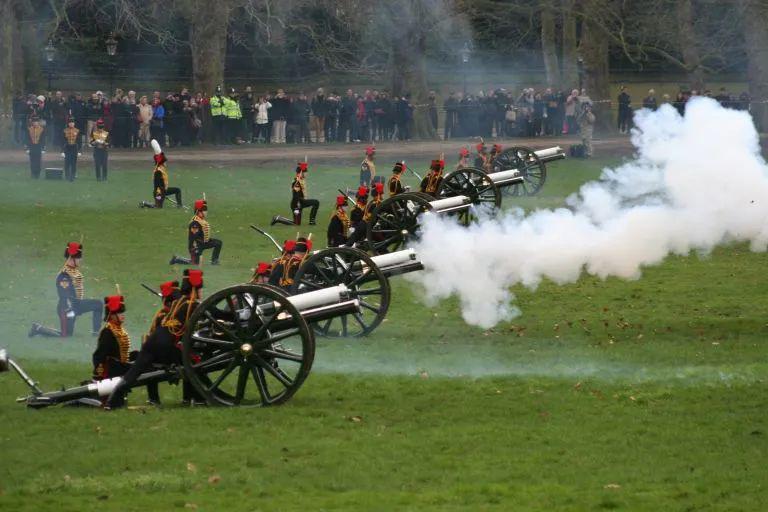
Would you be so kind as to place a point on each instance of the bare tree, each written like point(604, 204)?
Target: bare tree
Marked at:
point(11, 61)
point(755, 15)
point(549, 43)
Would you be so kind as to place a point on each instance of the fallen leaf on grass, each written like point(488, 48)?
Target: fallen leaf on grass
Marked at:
point(355, 419)
point(611, 486)
point(190, 506)
point(214, 479)
point(423, 374)
point(577, 386)
point(98, 430)
point(191, 467)
point(67, 478)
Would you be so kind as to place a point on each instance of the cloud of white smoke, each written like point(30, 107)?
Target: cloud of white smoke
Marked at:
point(696, 182)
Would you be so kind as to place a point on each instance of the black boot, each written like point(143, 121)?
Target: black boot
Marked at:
point(40, 330)
point(279, 219)
point(145, 204)
point(178, 260)
point(312, 221)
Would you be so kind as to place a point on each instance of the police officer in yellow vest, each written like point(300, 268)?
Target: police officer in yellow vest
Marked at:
point(234, 117)
point(217, 115)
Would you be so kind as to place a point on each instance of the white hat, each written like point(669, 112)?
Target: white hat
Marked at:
point(41, 98)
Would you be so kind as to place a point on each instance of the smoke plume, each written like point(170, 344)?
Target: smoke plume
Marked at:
point(696, 182)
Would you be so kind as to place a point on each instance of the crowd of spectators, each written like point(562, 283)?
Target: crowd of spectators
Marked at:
point(228, 117)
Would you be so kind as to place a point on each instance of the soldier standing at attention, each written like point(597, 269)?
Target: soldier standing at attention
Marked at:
point(368, 168)
point(72, 302)
point(463, 162)
point(160, 181)
point(110, 359)
point(100, 143)
point(299, 199)
point(199, 238)
point(35, 146)
point(71, 149)
point(338, 227)
point(395, 185)
point(431, 182)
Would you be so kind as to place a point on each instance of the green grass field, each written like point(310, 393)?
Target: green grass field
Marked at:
point(604, 395)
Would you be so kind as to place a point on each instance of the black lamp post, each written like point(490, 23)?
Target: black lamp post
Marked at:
point(464, 53)
point(50, 56)
point(580, 70)
point(111, 45)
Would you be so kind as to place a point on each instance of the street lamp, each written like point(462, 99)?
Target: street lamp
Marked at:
point(464, 53)
point(50, 56)
point(111, 45)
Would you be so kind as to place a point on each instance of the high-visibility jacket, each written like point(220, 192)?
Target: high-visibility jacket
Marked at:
point(217, 105)
point(232, 109)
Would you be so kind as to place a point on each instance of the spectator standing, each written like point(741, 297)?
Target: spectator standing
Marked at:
point(571, 104)
point(625, 110)
point(432, 109)
point(280, 110)
point(59, 114)
point(144, 120)
point(361, 119)
point(247, 109)
point(157, 124)
point(550, 102)
point(319, 112)
point(332, 113)
point(386, 117)
point(451, 116)
point(347, 119)
point(262, 119)
point(133, 120)
point(302, 111)
point(649, 101)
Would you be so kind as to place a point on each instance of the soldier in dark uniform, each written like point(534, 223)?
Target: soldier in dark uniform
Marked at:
point(357, 229)
point(482, 160)
point(100, 142)
point(377, 194)
point(169, 292)
point(35, 144)
point(300, 250)
point(431, 182)
point(395, 184)
point(110, 359)
point(278, 266)
point(71, 149)
point(368, 167)
point(463, 162)
point(338, 227)
point(160, 181)
point(199, 238)
point(261, 273)
point(496, 150)
point(299, 200)
point(161, 347)
point(72, 302)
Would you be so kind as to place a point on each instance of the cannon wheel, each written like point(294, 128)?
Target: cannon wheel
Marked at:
point(473, 183)
point(344, 265)
point(528, 164)
point(395, 222)
point(229, 343)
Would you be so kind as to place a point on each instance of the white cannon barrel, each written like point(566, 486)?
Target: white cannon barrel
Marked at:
point(394, 258)
point(449, 202)
point(549, 154)
point(505, 177)
point(318, 298)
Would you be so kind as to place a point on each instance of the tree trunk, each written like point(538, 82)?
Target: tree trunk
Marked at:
point(407, 63)
point(689, 49)
point(208, 43)
point(11, 66)
point(594, 51)
point(756, 35)
point(570, 77)
point(549, 44)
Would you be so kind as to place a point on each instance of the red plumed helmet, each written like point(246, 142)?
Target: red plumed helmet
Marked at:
point(370, 150)
point(73, 250)
point(168, 287)
point(263, 269)
point(160, 159)
point(195, 277)
point(99, 122)
point(362, 191)
point(114, 304)
point(379, 188)
point(480, 147)
point(201, 204)
point(289, 245)
point(341, 200)
point(302, 167)
point(497, 148)
point(463, 152)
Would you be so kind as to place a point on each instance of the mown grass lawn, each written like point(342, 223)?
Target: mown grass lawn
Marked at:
point(643, 395)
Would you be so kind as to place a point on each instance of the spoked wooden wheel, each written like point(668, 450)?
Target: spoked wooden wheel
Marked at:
point(247, 345)
point(528, 165)
point(365, 281)
point(473, 183)
point(395, 222)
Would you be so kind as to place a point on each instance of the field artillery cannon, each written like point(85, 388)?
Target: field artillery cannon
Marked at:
point(530, 165)
point(238, 334)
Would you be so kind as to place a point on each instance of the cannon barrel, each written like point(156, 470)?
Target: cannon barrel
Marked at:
point(397, 263)
point(550, 154)
point(502, 178)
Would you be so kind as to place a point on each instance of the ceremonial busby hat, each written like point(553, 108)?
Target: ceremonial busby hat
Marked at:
point(263, 269)
point(370, 150)
point(302, 167)
point(398, 168)
point(437, 165)
point(99, 122)
point(289, 245)
point(201, 205)
point(341, 200)
point(463, 152)
point(480, 147)
point(193, 278)
point(73, 250)
point(168, 287)
point(159, 155)
point(362, 191)
point(303, 245)
point(113, 304)
point(497, 148)
point(378, 188)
